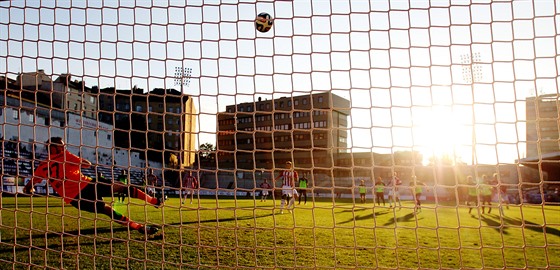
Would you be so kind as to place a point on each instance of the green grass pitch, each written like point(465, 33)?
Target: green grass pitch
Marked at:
point(238, 233)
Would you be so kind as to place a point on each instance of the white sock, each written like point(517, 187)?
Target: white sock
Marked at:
point(292, 200)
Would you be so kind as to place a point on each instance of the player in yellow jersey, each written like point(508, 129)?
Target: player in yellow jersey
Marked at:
point(486, 192)
point(472, 193)
point(379, 191)
point(363, 191)
point(417, 189)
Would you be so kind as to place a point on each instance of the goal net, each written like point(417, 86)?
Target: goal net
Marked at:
point(351, 134)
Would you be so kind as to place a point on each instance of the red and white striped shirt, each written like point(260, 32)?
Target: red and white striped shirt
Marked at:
point(289, 177)
point(189, 181)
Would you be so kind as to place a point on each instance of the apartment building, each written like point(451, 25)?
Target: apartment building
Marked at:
point(70, 96)
point(308, 130)
point(542, 124)
point(161, 122)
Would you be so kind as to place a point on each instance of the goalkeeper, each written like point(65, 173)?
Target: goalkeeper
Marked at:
point(62, 169)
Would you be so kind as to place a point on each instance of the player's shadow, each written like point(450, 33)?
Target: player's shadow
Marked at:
point(494, 224)
point(364, 217)
point(531, 226)
point(87, 233)
point(405, 218)
point(30, 206)
point(220, 220)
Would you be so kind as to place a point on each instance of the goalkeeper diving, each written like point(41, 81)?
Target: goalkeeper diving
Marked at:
point(63, 171)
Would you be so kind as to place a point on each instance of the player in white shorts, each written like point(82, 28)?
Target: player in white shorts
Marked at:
point(289, 176)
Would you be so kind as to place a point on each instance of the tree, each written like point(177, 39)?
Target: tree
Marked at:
point(207, 151)
point(206, 155)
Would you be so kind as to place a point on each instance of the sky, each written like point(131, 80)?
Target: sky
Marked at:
point(405, 66)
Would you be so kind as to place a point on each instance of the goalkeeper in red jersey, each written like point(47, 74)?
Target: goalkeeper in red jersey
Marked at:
point(63, 171)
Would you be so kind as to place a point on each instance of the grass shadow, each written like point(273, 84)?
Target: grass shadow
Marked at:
point(532, 226)
point(406, 218)
point(364, 217)
point(74, 233)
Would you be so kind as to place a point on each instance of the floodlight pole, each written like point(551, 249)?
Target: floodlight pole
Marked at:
point(182, 78)
point(472, 72)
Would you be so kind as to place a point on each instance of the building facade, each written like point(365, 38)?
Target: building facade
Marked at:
point(542, 124)
point(161, 123)
point(70, 96)
point(308, 130)
point(158, 124)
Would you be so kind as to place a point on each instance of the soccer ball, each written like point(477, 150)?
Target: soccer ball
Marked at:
point(263, 22)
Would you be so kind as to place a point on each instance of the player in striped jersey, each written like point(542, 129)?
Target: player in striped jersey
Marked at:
point(289, 176)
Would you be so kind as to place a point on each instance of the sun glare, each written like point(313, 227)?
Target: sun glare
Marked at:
point(440, 131)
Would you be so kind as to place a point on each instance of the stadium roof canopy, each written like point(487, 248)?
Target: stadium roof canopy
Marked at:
point(549, 162)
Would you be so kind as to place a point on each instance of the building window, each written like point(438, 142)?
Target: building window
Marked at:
point(304, 101)
point(249, 108)
point(15, 114)
point(31, 118)
point(289, 103)
point(320, 99)
point(320, 124)
point(296, 102)
point(268, 106)
point(139, 108)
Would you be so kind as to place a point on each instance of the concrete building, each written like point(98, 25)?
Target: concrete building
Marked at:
point(543, 119)
point(38, 80)
point(543, 136)
point(77, 98)
point(63, 93)
point(309, 130)
point(161, 123)
point(24, 128)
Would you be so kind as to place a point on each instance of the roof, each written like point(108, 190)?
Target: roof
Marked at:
point(548, 162)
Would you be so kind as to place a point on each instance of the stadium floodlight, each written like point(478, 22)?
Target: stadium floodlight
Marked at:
point(472, 70)
point(183, 76)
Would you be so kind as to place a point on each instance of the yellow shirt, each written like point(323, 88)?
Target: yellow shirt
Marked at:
point(362, 189)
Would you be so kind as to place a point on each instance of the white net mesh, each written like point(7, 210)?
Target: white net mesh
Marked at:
point(424, 134)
